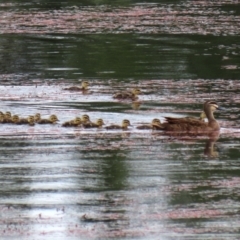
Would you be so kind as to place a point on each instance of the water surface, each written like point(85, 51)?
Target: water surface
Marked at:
point(74, 183)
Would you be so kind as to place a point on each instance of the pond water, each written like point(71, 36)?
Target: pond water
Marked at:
point(75, 183)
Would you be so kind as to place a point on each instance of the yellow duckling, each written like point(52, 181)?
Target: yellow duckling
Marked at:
point(51, 120)
point(17, 120)
point(73, 123)
point(124, 126)
point(23, 121)
point(154, 124)
point(84, 87)
point(37, 117)
point(99, 123)
point(1, 117)
point(7, 118)
point(31, 120)
point(85, 119)
point(130, 95)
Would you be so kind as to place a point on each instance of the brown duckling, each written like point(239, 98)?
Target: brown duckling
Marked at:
point(130, 95)
point(37, 117)
point(84, 87)
point(73, 123)
point(85, 119)
point(99, 123)
point(154, 124)
point(51, 120)
point(7, 118)
point(17, 120)
point(193, 125)
point(124, 126)
point(31, 120)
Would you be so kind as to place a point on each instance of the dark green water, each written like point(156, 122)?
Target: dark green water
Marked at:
point(75, 183)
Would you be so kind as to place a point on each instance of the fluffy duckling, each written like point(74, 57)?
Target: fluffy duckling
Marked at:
point(1, 118)
point(99, 123)
point(7, 118)
point(85, 119)
point(51, 120)
point(154, 125)
point(124, 126)
point(37, 117)
point(31, 120)
point(23, 121)
point(73, 123)
point(130, 95)
point(84, 87)
point(16, 120)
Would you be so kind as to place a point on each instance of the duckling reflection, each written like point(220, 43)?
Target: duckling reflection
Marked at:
point(136, 105)
point(128, 95)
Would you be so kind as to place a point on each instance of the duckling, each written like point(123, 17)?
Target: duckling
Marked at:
point(98, 124)
point(84, 87)
point(16, 120)
point(73, 123)
point(7, 118)
point(31, 120)
point(37, 117)
point(85, 119)
point(196, 125)
point(23, 121)
point(1, 118)
point(132, 95)
point(124, 126)
point(154, 124)
point(51, 120)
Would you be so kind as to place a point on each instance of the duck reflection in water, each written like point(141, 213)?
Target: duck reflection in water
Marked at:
point(136, 105)
point(210, 149)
